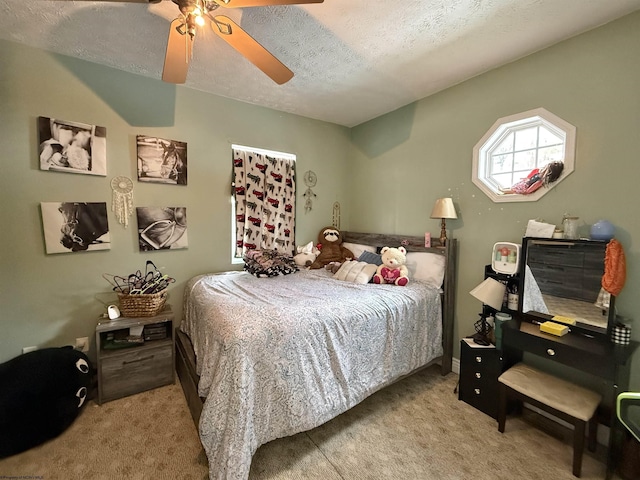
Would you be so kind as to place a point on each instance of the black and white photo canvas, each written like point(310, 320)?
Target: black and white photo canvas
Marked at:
point(162, 228)
point(75, 226)
point(72, 147)
point(161, 161)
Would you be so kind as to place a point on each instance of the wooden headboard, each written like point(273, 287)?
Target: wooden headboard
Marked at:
point(416, 244)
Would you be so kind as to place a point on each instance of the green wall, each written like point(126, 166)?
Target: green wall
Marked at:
point(49, 300)
point(386, 173)
point(424, 151)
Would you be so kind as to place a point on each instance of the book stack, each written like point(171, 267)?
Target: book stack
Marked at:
point(157, 331)
point(121, 339)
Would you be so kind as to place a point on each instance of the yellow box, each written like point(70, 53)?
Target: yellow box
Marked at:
point(561, 319)
point(554, 328)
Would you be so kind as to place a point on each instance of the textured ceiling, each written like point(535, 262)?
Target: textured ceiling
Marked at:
point(353, 59)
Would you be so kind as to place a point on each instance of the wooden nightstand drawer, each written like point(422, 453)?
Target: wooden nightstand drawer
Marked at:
point(136, 370)
point(124, 369)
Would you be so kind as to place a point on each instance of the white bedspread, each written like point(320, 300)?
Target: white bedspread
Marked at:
point(278, 356)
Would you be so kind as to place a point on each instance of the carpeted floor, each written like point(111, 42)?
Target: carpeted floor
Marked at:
point(415, 429)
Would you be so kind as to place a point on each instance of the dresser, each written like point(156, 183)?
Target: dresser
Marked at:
point(480, 367)
point(594, 356)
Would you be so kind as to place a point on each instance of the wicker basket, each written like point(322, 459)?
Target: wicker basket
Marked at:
point(142, 305)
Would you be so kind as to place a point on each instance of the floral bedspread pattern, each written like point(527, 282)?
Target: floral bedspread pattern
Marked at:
point(278, 356)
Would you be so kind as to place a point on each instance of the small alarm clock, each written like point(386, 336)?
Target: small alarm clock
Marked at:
point(506, 258)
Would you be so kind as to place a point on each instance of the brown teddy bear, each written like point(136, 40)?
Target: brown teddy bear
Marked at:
point(331, 249)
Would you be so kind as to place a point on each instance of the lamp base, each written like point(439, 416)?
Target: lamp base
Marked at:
point(480, 339)
point(443, 232)
point(483, 332)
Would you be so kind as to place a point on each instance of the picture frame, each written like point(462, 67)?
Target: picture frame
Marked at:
point(71, 227)
point(161, 160)
point(72, 147)
point(162, 228)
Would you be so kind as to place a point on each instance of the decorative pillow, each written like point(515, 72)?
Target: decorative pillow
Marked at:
point(426, 267)
point(356, 272)
point(369, 257)
point(42, 394)
point(358, 248)
point(268, 263)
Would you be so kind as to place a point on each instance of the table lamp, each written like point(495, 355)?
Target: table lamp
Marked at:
point(490, 292)
point(443, 209)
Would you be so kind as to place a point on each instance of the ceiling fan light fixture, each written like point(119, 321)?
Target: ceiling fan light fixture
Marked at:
point(184, 28)
point(223, 27)
point(191, 21)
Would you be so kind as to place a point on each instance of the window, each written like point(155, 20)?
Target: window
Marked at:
point(524, 155)
point(263, 201)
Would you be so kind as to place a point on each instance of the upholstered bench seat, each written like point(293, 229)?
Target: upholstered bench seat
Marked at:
point(565, 400)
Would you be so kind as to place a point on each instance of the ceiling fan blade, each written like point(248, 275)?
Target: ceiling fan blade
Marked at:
point(261, 3)
point(127, 1)
point(235, 36)
point(176, 60)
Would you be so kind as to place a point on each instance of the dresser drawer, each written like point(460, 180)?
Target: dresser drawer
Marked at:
point(558, 280)
point(556, 255)
point(559, 350)
point(479, 371)
point(136, 369)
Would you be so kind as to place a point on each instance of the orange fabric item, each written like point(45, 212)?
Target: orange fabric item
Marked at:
point(615, 268)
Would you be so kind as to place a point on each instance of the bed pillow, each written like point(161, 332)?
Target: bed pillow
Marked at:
point(268, 263)
point(358, 248)
point(356, 272)
point(369, 257)
point(426, 267)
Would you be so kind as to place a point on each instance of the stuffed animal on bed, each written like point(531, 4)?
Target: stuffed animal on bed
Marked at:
point(331, 249)
point(333, 267)
point(306, 255)
point(393, 269)
point(41, 394)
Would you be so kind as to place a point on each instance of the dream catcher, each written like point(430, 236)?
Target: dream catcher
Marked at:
point(310, 180)
point(122, 199)
point(336, 215)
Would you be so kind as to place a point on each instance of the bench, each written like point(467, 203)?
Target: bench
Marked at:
point(562, 399)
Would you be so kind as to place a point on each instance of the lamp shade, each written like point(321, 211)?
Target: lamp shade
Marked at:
point(444, 209)
point(490, 292)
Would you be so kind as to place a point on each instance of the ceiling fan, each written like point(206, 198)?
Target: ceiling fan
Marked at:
point(197, 13)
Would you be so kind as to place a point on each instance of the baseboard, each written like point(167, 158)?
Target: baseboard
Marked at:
point(455, 365)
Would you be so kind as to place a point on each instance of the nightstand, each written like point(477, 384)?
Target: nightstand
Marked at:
point(480, 367)
point(126, 367)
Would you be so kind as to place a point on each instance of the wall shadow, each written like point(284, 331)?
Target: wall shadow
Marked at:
point(140, 101)
point(383, 133)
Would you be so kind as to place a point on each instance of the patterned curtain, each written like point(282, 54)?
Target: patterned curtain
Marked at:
point(264, 188)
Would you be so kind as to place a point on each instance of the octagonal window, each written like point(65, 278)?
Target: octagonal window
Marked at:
point(523, 156)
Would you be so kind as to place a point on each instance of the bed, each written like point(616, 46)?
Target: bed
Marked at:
point(264, 358)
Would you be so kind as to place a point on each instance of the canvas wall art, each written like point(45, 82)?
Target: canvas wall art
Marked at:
point(162, 228)
point(72, 147)
point(161, 161)
point(75, 226)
